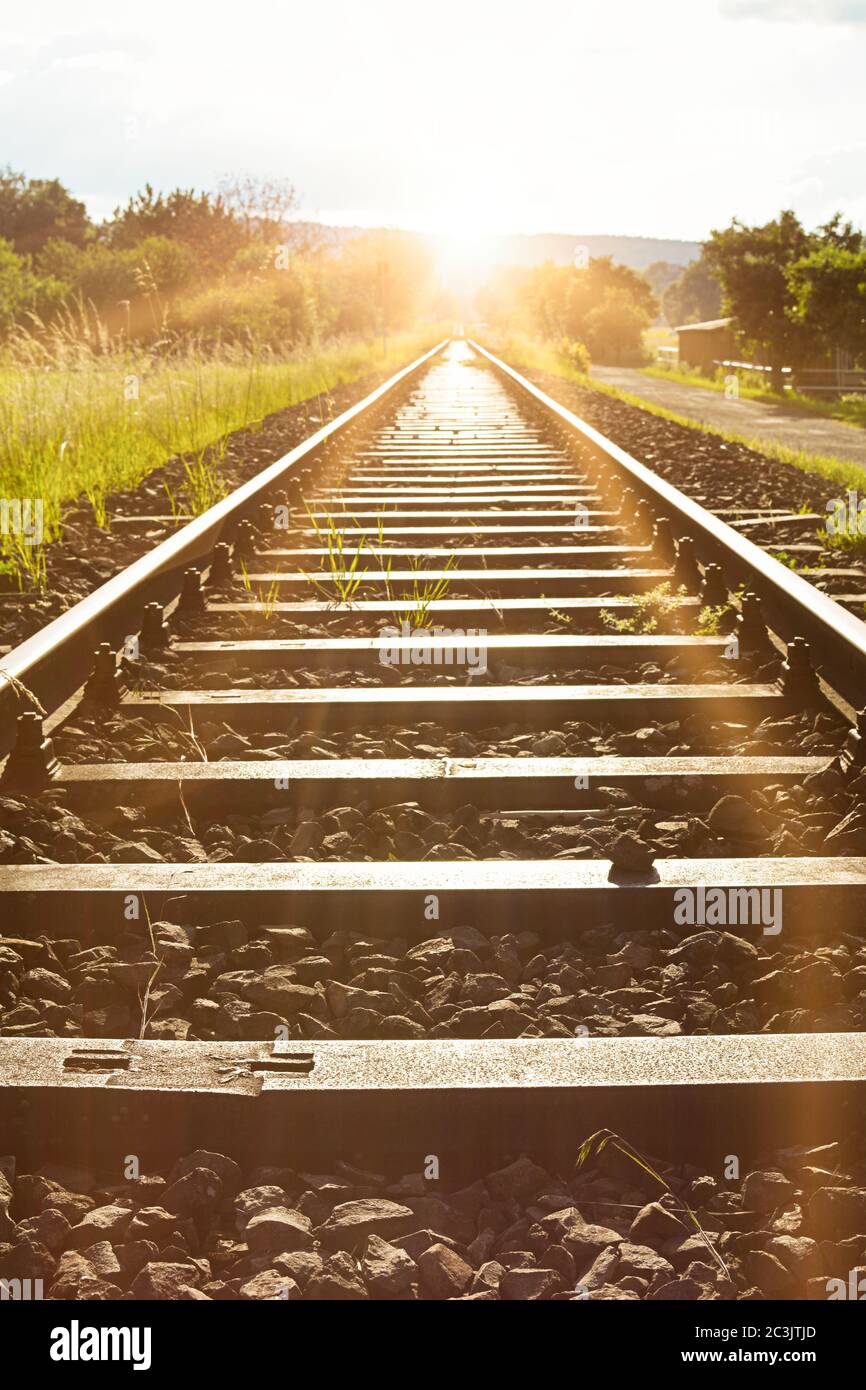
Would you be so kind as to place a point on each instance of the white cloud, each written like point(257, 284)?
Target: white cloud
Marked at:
point(578, 118)
point(797, 11)
point(109, 60)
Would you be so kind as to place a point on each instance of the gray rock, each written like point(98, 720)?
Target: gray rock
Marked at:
point(582, 1239)
point(654, 1220)
point(164, 1280)
point(798, 1254)
point(766, 1189)
point(678, 1290)
point(654, 1026)
point(102, 1223)
point(101, 1258)
point(278, 990)
point(387, 1270)
point(733, 818)
point(50, 1227)
point(271, 1287)
point(256, 1199)
point(444, 1273)
point(630, 854)
point(488, 1277)
point(300, 1265)
point(521, 1179)
point(836, 1212)
point(351, 1222)
point(641, 1261)
point(198, 1191)
point(770, 1275)
point(529, 1284)
point(45, 984)
point(279, 1228)
point(338, 1281)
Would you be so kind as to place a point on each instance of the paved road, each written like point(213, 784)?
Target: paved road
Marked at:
point(754, 419)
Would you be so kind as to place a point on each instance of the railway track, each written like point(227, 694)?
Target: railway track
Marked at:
point(427, 751)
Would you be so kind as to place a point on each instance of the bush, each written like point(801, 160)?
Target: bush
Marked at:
point(19, 287)
point(574, 355)
point(614, 329)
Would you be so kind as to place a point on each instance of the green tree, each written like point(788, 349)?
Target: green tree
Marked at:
point(605, 306)
point(34, 210)
point(613, 329)
point(16, 287)
point(752, 264)
point(829, 292)
point(201, 221)
point(660, 274)
point(694, 297)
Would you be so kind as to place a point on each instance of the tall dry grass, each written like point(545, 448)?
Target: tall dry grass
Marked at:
point(83, 415)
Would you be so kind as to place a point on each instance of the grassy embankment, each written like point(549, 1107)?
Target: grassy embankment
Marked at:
point(850, 410)
point(83, 419)
point(530, 354)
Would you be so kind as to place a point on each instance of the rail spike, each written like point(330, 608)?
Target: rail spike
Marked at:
point(643, 517)
point(191, 597)
point(799, 679)
point(627, 501)
point(663, 541)
point(294, 490)
point(106, 684)
point(153, 636)
point(686, 572)
point(714, 590)
point(220, 574)
point(752, 630)
point(245, 542)
point(32, 764)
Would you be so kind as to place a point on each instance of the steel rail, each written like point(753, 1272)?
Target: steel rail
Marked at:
point(796, 607)
point(55, 662)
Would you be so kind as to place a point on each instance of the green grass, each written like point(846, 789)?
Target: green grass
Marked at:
point(850, 544)
point(651, 607)
point(83, 419)
point(532, 355)
point(343, 570)
point(850, 410)
point(751, 385)
point(594, 1146)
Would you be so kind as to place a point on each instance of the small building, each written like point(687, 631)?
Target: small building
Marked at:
point(702, 345)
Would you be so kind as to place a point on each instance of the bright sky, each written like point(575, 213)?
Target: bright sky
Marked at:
point(468, 116)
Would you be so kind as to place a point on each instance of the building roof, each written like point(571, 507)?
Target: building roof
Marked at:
point(703, 327)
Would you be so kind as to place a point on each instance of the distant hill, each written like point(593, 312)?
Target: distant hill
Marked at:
point(635, 251)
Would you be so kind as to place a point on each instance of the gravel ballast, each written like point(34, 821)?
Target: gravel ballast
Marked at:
point(794, 1227)
point(224, 981)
